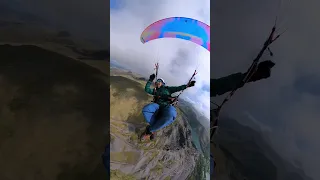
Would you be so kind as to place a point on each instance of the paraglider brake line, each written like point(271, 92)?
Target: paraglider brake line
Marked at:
point(193, 75)
point(250, 71)
point(156, 68)
point(254, 64)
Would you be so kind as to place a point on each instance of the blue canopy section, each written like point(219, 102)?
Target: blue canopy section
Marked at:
point(178, 27)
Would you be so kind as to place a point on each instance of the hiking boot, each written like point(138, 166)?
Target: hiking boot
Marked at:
point(152, 137)
point(148, 132)
point(149, 136)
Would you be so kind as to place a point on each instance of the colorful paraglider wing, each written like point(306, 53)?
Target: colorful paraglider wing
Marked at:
point(179, 27)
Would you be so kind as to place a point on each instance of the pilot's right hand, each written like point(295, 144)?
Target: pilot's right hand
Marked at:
point(152, 76)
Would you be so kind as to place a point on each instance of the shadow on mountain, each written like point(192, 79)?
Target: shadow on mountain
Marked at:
point(53, 116)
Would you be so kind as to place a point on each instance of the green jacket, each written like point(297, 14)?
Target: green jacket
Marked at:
point(164, 92)
point(225, 84)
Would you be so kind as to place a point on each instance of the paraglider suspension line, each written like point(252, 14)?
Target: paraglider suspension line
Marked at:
point(176, 98)
point(252, 69)
point(156, 68)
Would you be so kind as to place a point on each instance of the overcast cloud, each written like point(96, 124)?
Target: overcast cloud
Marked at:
point(287, 104)
point(177, 58)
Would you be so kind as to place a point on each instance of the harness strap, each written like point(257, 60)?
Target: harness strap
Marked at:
point(169, 99)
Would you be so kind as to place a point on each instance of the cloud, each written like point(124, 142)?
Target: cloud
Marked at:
point(177, 58)
point(285, 103)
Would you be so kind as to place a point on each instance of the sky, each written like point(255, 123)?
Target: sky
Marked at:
point(285, 106)
point(177, 58)
point(86, 20)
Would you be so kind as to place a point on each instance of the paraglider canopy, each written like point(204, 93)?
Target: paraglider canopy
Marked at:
point(178, 27)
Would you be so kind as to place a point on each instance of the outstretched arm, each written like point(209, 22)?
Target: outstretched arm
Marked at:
point(174, 89)
point(148, 89)
point(225, 84)
point(228, 83)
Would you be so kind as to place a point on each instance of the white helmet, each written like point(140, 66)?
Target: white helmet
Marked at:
point(160, 79)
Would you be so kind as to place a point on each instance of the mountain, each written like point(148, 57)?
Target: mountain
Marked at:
point(52, 116)
point(243, 153)
point(174, 153)
point(198, 122)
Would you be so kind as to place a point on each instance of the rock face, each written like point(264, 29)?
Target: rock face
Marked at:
point(172, 155)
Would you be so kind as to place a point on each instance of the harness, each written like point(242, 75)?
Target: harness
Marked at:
point(171, 100)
